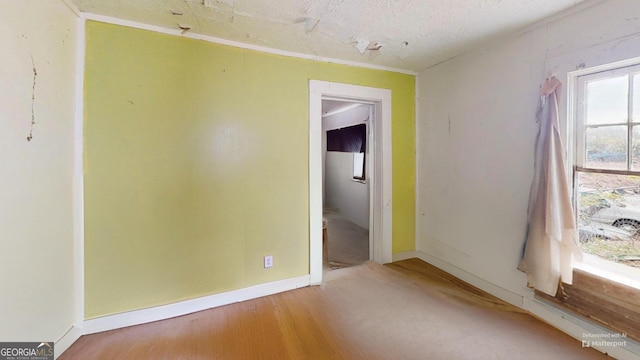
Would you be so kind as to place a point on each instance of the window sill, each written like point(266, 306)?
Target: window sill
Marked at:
point(610, 303)
point(610, 270)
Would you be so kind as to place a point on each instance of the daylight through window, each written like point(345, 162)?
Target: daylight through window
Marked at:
point(607, 164)
point(358, 166)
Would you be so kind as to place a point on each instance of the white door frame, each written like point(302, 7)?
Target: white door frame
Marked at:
point(381, 164)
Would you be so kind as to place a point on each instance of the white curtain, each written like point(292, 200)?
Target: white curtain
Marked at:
point(552, 236)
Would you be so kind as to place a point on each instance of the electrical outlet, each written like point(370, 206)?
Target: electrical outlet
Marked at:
point(268, 261)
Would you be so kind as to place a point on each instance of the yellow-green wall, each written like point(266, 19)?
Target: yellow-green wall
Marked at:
point(197, 166)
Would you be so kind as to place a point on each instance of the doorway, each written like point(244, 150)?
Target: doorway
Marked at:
point(379, 168)
point(346, 178)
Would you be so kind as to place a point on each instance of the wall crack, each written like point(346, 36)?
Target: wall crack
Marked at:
point(33, 99)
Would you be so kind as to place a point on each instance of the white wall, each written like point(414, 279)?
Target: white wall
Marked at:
point(36, 215)
point(340, 191)
point(476, 130)
point(351, 197)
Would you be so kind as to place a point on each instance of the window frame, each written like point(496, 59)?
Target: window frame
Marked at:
point(575, 130)
point(603, 291)
point(578, 120)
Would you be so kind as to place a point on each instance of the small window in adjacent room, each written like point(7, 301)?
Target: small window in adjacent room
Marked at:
point(358, 166)
point(352, 139)
point(607, 164)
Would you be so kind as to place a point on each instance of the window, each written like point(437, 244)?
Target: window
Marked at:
point(605, 149)
point(607, 164)
point(358, 166)
point(352, 139)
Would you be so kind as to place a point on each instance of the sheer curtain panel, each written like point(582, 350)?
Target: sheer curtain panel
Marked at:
point(552, 236)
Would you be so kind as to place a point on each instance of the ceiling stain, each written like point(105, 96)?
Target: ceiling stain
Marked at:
point(416, 34)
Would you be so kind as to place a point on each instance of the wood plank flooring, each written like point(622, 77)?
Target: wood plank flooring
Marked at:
point(406, 310)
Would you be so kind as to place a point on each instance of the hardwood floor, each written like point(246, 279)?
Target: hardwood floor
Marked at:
point(406, 310)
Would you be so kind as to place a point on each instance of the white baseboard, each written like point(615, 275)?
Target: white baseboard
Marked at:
point(66, 341)
point(143, 316)
point(405, 255)
point(495, 290)
point(569, 324)
point(554, 316)
point(577, 328)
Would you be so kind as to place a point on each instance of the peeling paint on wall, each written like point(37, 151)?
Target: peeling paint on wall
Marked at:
point(39, 177)
point(184, 28)
point(33, 100)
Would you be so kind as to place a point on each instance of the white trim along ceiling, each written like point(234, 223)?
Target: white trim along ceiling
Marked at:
point(403, 35)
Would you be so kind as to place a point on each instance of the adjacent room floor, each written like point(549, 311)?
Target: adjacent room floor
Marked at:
point(347, 243)
point(405, 310)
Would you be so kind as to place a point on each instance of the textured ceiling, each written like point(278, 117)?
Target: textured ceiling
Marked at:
point(331, 105)
point(413, 34)
point(335, 106)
